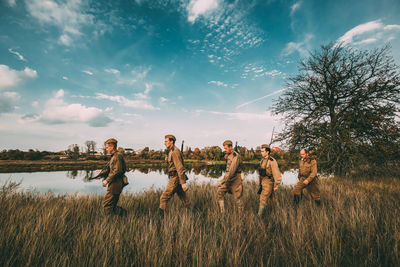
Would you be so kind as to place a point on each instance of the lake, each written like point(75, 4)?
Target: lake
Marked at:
point(140, 179)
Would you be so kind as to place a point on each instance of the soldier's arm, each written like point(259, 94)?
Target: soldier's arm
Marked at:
point(232, 169)
point(298, 174)
point(116, 168)
point(276, 173)
point(104, 172)
point(313, 171)
point(180, 169)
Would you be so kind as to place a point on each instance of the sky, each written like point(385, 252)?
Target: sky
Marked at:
point(203, 70)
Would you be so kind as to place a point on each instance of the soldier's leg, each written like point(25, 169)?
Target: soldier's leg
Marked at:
point(222, 190)
point(110, 202)
point(167, 194)
point(237, 191)
point(182, 196)
point(297, 190)
point(267, 187)
point(313, 190)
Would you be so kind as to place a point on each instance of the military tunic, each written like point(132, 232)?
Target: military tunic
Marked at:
point(270, 177)
point(308, 171)
point(177, 177)
point(232, 181)
point(115, 173)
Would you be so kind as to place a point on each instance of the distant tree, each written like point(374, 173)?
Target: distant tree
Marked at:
point(144, 154)
point(196, 154)
point(73, 151)
point(90, 147)
point(343, 103)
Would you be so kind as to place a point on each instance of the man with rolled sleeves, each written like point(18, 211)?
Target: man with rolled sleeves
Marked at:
point(270, 177)
point(176, 173)
point(232, 181)
point(307, 178)
point(114, 174)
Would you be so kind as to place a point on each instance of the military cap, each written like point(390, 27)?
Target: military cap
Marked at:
point(265, 146)
point(111, 141)
point(227, 143)
point(170, 136)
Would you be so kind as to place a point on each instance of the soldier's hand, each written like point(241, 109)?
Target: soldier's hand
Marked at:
point(166, 158)
point(275, 188)
point(219, 183)
point(305, 182)
point(105, 183)
point(185, 187)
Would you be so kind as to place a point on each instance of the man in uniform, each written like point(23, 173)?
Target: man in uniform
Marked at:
point(115, 178)
point(270, 178)
point(176, 173)
point(232, 181)
point(307, 178)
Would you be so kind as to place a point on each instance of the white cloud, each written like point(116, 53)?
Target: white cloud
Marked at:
point(200, 7)
point(8, 101)
point(218, 83)
point(65, 78)
point(113, 71)
point(12, 3)
point(261, 98)
point(301, 47)
point(20, 57)
point(57, 111)
point(163, 99)
point(35, 104)
point(123, 101)
point(370, 32)
point(145, 94)
point(295, 7)
point(12, 78)
point(68, 16)
point(88, 72)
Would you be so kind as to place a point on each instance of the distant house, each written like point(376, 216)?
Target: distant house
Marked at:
point(99, 152)
point(129, 150)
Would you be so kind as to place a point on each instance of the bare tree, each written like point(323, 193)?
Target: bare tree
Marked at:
point(90, 147)
point(344, 103)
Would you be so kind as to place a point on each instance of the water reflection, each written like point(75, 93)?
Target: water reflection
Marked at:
point(140, 179)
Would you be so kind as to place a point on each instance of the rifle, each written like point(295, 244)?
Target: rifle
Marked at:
point(101, 174)
point(272, 136)
point(183, 141)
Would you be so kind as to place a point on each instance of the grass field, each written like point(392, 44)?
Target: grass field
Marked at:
point(358, 224)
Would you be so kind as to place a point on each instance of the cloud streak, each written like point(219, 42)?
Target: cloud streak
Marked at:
point(261, 98)
point(123, 101)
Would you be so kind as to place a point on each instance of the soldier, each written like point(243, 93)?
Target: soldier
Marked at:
point(232, 181)
point(176, 174)
point(115, 178)
point(307, 178)
point(270, 178)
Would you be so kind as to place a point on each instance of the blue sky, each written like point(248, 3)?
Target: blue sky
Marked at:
point(204, 70)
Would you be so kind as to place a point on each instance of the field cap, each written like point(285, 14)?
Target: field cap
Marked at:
point(111, 141)
point(170, 136)
point(227, 143)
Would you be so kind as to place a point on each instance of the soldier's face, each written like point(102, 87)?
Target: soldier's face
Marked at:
point(110, 148)
point(168, 143)
point(303, 154)
point(264, 153)
point(228, 149)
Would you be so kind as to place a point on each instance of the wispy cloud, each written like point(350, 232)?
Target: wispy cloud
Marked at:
point(68, 16)
point(254, 71)
point(57, 111)
point(88, 72)
point(370, 32)
point(8, 101)
point(11, 78)
point(296, 6)
point(197, 8)
point(12, 3)
point(123, 101)
point(20, 57)
point(301, 47)
point(218, 83)
point(243, 116)
point(261, 98)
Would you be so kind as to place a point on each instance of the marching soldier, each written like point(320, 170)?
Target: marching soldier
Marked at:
point(115, 178)
point(270, 178)
point(307, 178)
point(232, 181)
point(176, 173)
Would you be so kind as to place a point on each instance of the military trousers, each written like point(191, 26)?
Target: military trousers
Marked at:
point(235, 188)
point(312, 188)
point(267, 191)
point(173, 187)
point(110, 201)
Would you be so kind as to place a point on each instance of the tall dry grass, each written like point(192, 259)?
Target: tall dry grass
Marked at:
point(356, 225)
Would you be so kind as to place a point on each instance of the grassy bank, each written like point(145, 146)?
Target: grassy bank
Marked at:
point(357, 225)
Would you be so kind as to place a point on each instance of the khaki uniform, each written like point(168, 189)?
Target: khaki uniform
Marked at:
point(232, 181)
point(308, 171)
point(270, 177)
point(115, 173)
point(177, 177)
